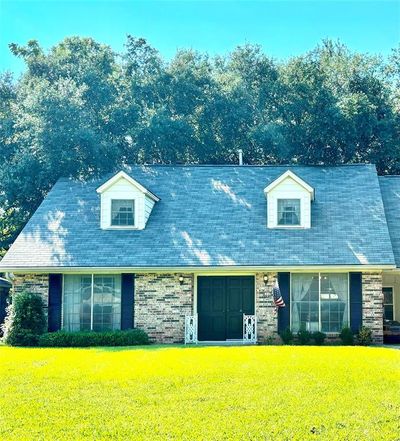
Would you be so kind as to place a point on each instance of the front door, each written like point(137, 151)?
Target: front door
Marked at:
point(221, 303)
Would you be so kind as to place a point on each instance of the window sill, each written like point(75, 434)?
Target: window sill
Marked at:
point(121, 228)
point(288, 227)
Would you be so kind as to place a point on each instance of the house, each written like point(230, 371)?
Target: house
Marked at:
point(192, 253)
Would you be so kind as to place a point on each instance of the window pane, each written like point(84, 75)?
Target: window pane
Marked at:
point(122, 212)
point(334, 302)
point(288, 211)
point(317, 301)
point(305, 305)
point(106, 302)
point(387, 295)
point(388, 312)
point(77, 302)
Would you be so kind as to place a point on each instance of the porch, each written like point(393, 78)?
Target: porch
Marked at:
point(249, 330)
point(391, 307)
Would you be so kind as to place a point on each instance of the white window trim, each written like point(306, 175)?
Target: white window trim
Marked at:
point(299, 225)
point(393, 301)
point(329, 334)
point(124, 227)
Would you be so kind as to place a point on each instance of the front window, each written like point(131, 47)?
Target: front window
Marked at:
point(320, 302)
point(288, 212)
point(387, 303)
point(92, 302)
point(122, 212)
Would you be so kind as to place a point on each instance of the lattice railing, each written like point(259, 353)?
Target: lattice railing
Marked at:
point(249, 328)
point(191, 329)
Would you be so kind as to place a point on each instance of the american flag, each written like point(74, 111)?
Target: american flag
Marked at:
point(276, 293)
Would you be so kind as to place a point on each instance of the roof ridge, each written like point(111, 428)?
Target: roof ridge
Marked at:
point(252, 165)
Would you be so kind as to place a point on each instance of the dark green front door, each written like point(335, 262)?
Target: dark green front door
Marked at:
point(221, 303)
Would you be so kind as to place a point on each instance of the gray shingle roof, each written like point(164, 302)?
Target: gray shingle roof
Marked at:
point(211, 216)
point(390, 188)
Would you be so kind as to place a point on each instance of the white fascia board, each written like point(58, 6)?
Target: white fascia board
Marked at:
point(122, 175)
point(200, 269)
point(289, 174)
point(395, 270)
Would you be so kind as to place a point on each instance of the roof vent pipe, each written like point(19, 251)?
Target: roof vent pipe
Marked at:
point(240, 152)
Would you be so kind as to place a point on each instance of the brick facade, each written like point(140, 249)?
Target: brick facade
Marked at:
point(372, 304)
point(38, 283)
point(161, 304)
point(267, 317)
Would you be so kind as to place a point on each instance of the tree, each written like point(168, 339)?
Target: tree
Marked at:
point(80, 110)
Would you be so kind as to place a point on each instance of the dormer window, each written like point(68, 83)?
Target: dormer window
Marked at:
point(289, 212)
point(122, 212)
point(289, 202)
point(125, 203)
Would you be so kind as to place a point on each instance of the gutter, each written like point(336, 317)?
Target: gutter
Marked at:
point(198, 269)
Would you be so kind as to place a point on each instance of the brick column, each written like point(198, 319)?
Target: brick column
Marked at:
point(267, 318)
point(372, 304)
point(161, 304)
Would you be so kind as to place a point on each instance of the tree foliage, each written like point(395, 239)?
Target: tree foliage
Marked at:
point(80, 109)
point(25, 321)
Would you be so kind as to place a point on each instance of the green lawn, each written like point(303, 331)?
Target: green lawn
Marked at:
point(214, 393)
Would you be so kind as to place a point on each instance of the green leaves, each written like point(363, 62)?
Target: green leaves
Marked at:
point(80, 110)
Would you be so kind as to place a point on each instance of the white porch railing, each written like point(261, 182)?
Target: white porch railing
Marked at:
point(249, 329)
point(191, 329)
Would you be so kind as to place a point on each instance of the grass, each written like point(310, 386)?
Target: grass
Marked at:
point(214, 393)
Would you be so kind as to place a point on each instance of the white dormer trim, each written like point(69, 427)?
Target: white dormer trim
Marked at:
point(289, 186)
point(122, 175)
point(289, 174)
point(123, 187)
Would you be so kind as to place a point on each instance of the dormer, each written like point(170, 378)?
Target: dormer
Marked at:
point(125, 203)
point(289, 202)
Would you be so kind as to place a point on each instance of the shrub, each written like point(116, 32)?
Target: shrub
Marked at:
point(269, 340)
point(304, 336)
point(347, 337)
point(287, 336)
point(131, 337)
point(319, 338)
point(364, 337)
point(25, 320)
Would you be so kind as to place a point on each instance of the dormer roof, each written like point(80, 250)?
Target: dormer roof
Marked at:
point(122, 175)
point(290, 175)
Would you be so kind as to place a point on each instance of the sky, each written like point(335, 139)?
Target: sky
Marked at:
point(284, 28)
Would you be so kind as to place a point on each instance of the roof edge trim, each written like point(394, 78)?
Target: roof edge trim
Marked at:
point(291, 175)
point(199, 268)
point(123, 175)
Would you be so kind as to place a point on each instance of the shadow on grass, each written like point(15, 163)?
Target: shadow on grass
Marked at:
point(160, 347)
point(148, 347)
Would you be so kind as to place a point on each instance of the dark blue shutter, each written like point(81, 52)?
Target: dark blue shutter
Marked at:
point(284, 313)
point(355, 301)
point(55, 300)
point(127, 300)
